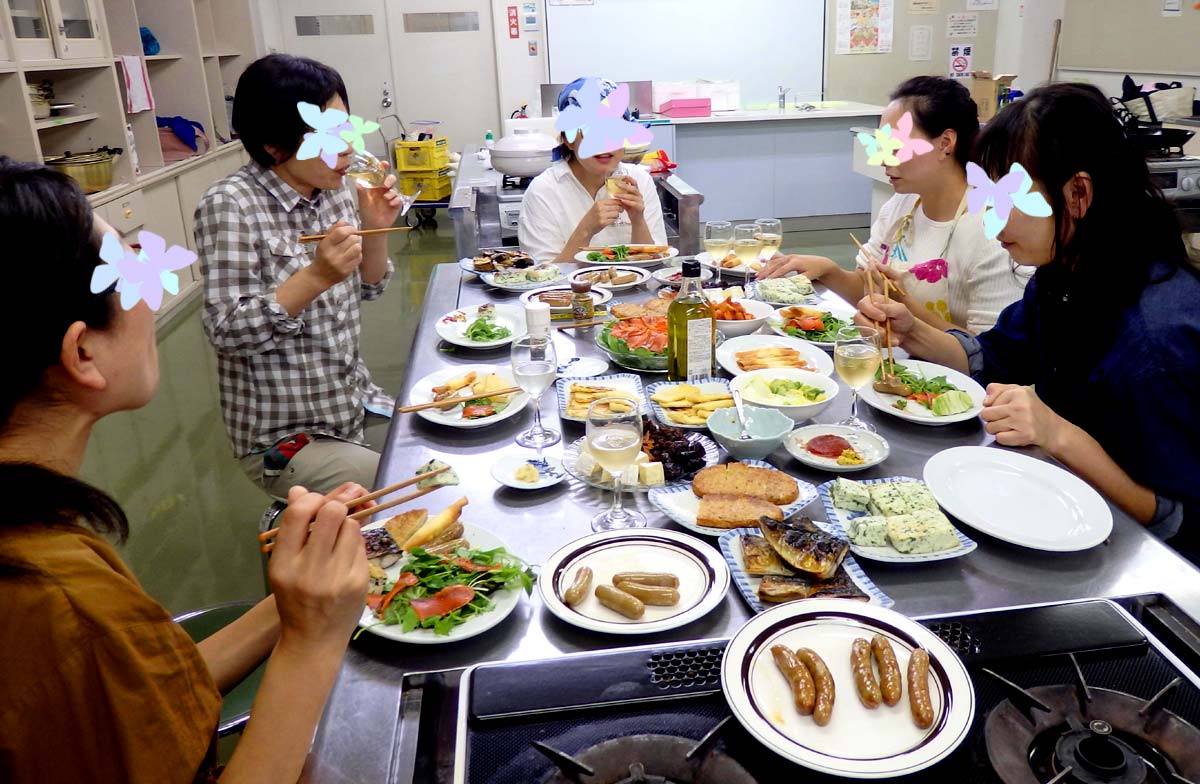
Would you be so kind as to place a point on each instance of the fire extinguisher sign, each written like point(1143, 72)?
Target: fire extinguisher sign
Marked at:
point(514, 22)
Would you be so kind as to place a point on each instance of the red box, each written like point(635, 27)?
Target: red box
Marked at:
point(686, 107)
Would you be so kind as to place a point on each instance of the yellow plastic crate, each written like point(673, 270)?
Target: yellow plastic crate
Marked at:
point(436, 184)
point(429, 155)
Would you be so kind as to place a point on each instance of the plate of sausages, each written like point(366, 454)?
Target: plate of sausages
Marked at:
point(638, 581)
point(847, 688)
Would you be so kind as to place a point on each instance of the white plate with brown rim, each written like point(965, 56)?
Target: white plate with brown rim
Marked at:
point(702, 572)
point(858, 742)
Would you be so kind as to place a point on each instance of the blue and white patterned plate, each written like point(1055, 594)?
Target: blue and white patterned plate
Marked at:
point(839, 520)
point(550, 472)
point(680, 504)
point(708, 386)
point(623, 382)
point(747, 584)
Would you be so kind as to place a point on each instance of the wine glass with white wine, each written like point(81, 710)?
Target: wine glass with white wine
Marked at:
point(772, 237)
point(535, 366)
point(856, 356)
point(614, 438)
point(747, 244)
point(718, 240)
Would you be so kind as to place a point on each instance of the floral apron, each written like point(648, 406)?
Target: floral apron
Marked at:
point(928, 282)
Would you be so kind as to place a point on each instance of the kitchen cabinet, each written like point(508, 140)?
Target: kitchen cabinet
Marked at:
point(57, 29)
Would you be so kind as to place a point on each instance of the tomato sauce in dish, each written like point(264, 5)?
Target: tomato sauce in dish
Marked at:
point(827, 446)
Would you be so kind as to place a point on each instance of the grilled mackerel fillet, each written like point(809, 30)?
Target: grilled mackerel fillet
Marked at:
point(758, 557)
point(805, 547)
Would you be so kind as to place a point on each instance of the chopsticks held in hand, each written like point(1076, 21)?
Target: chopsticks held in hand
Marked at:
point(887, 324)
point(895, 286)
point(454, 401)
point(268, 536)
point(583, 324)
point(360, 233)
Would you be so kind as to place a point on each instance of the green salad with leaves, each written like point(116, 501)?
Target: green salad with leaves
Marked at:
point(935, 394)
point(485, 330)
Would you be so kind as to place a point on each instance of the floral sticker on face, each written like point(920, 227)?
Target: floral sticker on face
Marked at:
point(997, 199)
point(888, 147)
point(140, 275)
point(601, 120)
point(358, 127)
point(325, 140)
point(910, 147)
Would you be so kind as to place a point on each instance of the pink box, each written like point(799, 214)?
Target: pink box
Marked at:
point(686, 107)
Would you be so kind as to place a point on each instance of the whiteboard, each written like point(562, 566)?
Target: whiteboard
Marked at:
point(760, 43)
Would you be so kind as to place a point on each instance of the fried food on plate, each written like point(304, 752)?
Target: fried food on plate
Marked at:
point(581, 396)
point(741, 479)
point(685, 404)
point(770, 357)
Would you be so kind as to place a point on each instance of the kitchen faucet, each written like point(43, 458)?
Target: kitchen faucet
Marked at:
point(783, 91)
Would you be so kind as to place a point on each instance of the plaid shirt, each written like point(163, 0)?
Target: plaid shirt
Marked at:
point(280, 375)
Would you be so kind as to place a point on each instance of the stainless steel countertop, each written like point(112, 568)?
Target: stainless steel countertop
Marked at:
point(358, 739)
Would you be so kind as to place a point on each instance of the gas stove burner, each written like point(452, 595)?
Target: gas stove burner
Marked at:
point(648, 759)
point(1079, 734)
point(510, 182)
point(1165, 154)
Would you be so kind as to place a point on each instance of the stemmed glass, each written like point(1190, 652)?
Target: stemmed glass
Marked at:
point(718, 239)
point(771, 231)
point(856, 356)
point(747, 243)
point(614, 438)
point(534, 366)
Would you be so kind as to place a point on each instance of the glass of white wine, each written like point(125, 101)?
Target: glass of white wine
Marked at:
point(614, 438)
point(718, 240)
point(366, 170)
point(747, 243)
point(856, 356)
point(772, 236)
point(535, 366)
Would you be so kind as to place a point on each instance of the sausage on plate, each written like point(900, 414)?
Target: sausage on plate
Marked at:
point(803, 692)
point(918, 689)
point(864, 675)
point(890, 685)
point(664, 579)
point(656, 595)
point(615, 599)
point(579, 587)
point(823, 682)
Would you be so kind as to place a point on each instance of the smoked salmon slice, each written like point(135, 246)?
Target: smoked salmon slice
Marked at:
point(444, 601)
point(648, 332)
point(467, 565)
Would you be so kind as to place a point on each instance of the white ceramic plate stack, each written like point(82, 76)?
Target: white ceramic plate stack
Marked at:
point(642, 277)
point(453, 330)
point(873, 448)
point(836, 309)
point(914, 411)
point(1018, 498)
point(679, 503)
point(818, 361)
point(702, 572)
point(857, 743)
point(707, 386)
point(505, 600)
point(582, 258)
point(747, 584)
point(839, 520)
point(422, 392)
point(619, 382)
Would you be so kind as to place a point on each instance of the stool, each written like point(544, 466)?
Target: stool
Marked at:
point(203, 623)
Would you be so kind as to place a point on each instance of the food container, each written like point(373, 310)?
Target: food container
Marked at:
point(767, 426)
point(686, 107)
point(798, 413)
point(645, 362)
point(39, 100)
point(761, 311)
point(525, 153)
point(92, 170)
point(434, 185)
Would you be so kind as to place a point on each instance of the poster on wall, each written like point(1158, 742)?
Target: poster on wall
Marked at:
point(962, 25)
point(960, 61)
point(983, 5)
point(918, 7)
point(865, 26)
point(920, 43)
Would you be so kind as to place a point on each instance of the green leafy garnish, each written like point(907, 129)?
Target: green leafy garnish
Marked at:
point(828, 334)
point(483, 329)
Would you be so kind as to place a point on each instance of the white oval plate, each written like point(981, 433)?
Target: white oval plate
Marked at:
point(453, 331)
point(741, 271)
point(838, 310)
point(422, 392)
point(490, 279)
point(857, 743)
point(1018, 498)
point(712, 456)
point(468, 264)
point(812, 300)
point(671, 253)
point(818, 361)
point(667, 276)
point(600, 296)
point(873, 448)
point(642, 277)
point(702, 572)
point(621, 382)
point(707, 386)
point(839, 520)
point(915, 412)
point(679, 503)
point(747, 584)
point(506, 601)
point(550, 472)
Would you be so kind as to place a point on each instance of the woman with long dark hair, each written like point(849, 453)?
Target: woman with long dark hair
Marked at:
point(97, 683)
point(1099, 363)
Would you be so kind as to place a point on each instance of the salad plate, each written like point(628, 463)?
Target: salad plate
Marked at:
point(930, 379)
point(621, 255)
point(482, 326)
point(709, 387)
point(823, 322)
point(422, 392)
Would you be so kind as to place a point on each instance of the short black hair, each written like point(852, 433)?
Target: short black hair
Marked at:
point(264, 104)
point(938, 103)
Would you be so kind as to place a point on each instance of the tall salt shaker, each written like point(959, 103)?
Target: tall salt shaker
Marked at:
point(537, 324)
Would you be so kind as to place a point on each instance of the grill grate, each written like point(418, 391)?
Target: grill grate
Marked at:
point(958, 636)
point(681, 669)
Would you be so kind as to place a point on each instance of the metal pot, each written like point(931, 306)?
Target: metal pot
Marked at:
point(524, 153)
point(39, 101)
point(92, 170)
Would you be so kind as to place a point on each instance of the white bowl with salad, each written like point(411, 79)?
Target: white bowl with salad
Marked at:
point(925, 393)
point(818, 325)
point(483, 326)
point(800, 394)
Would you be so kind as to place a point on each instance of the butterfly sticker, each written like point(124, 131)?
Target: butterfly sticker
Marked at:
point(997, 199)
point(910, 147)
point(325, 140)
point(354, 134)
point(601, 120)
point(140, 275)
point(882, 147)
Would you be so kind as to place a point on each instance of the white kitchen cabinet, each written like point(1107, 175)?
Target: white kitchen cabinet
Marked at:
point(57, 29)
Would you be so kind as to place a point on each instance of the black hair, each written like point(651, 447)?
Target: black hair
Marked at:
point(264, 104)
point(47, 222)
point(939, 103)
point(1058, 131)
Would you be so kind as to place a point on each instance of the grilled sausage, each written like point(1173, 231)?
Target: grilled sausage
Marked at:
point(663, 579)
point(656, 595)
point(803, 692)
point(864, 675)
point(615, 599)
point(822, 682)
point(918, 689)
point(579, 588)
point(890, 685)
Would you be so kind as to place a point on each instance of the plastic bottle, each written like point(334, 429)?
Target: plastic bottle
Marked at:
point(489, 140)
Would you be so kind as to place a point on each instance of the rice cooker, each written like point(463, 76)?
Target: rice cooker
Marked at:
point(523, 153)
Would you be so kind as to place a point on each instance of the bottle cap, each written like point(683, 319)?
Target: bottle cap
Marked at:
point(691, 268)
point(537, 317)
point(580, 286)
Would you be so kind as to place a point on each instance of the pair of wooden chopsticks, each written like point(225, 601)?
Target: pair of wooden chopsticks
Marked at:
point(268, 536)
point(453, 401)
point(887, 324)
point(583, 324)
point(895, 286)
point(360, 233)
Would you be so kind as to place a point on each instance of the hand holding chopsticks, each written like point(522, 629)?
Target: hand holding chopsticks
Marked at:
point(454, 401)
point(868, 253)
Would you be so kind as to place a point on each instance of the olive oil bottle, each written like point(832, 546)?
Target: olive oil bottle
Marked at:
point(691, 330)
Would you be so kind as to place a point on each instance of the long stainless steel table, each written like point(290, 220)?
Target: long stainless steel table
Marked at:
point(358, 739)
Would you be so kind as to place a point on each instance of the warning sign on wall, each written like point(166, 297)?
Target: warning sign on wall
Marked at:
point(960, 61)
point(514, 22)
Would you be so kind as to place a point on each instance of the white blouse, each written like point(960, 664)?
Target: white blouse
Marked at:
point(555, 202)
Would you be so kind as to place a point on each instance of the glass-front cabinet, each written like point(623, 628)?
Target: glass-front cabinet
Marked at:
point(50, 29)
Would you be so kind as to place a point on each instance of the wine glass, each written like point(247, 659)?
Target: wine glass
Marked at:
point(856, 356)
point(772, 236)
point(718, 240)
point(534, 366)
point(614, 438)
point(747, 243)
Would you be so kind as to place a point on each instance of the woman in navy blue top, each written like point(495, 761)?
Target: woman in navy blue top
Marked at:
point(1099, 363)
